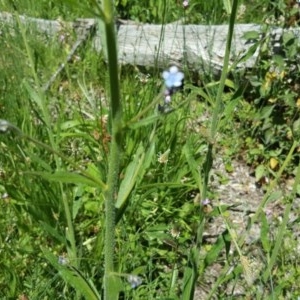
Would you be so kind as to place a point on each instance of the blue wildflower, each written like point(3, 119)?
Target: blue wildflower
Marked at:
point(173, 78)
point(173, 82)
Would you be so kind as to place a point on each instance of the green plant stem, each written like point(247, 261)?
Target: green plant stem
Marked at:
point(217, 113)
point(115, 149)
point(218, 106)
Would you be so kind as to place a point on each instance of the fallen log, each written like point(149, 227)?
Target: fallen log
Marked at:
point(200, 47)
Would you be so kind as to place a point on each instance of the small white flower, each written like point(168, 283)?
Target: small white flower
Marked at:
point(4, 125)
point(167, 99)
point(62, 260)
point(175, 232)
point(134, 280)
point(5, 196)
point(163, 158)
point(206, 202)
point(185, 3)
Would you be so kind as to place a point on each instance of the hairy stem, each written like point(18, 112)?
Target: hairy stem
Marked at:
point(115, 149)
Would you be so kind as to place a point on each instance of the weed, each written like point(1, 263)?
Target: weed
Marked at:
point(110, 187)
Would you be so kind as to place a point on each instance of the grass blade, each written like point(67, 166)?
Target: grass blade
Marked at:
point(68, 177)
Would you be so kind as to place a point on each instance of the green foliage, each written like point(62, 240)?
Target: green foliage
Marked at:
point(272, 117)
point(152, 11)
point(53, 173)
point(45, 9)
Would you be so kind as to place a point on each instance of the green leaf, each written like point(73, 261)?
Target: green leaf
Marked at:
point(68, 177)
point(73, 277)
point(288, 38)
point(194, 166)
point(133, 174)
point(266, 111)
point(190, 275)
point(69, 124)
point(196, 91)
point(230, 83)
point(260, 171)
point(102, 35)
point(149, 156)
point(158, 232)
point(40, 162)
point(145, 122)
point(92, 171)
point(34, 96)
point(77, 200)
point(54, 232)
point(9, 275)
point(264, 233)
point(296, 128)
point(188, 287)
point(134, 170)
point(250, 52)
point(278, 60)
point(251, 35)
point(227, 6)
point(114, 287)
point(298, 189)
point(222, 241)
point(274, 196)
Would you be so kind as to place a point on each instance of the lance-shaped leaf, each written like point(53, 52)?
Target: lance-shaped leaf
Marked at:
point(69, 177)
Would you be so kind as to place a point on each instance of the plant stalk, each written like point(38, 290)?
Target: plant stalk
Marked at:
point(115, 147)
point(218, 106)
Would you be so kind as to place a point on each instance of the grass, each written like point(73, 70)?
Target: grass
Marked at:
point(53, 215)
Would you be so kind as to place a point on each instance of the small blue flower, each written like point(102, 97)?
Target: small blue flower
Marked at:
point(173, 78)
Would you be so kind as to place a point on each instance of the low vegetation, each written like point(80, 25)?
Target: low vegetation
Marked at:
point(56, 148)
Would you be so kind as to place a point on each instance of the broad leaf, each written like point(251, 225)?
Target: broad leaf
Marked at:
point(73, 277)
